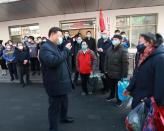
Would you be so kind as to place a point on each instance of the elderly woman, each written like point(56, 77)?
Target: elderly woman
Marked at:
point(148, 78)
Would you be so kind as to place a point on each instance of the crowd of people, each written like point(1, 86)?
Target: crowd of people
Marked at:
point(61, 56)
point(21, 58)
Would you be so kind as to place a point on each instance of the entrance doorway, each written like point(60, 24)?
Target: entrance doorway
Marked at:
point(79, 26)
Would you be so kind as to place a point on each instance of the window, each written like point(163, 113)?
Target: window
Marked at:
point(18, 32)
point(137, 24)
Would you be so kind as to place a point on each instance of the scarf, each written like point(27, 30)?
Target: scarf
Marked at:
point(147, 52)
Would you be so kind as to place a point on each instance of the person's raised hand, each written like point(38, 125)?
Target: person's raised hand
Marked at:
point(68, 46)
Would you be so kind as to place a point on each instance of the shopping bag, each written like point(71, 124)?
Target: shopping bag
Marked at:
point(122, 85)
point(93, 82)
point(158, 115)
point(135, 119)
point(149, 124)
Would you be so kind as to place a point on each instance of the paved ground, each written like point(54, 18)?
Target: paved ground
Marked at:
point(25, 109)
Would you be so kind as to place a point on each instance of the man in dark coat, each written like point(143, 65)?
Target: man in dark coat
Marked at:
point(91, 42)
point(116, 65)
point(76, 48)
point(103, 44)
point(56, 77)
point(67, 39)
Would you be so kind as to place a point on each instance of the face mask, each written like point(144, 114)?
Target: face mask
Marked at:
point(66, 35)
point(44, 40)
point(141, 48)
point(79, 41)
point(10, 43)
point(8, 47)
point(104, 37)
point(20, 47)
point(115, 42)
point(60, 40)
point(88, 36)
point(84, 47)
point(14, 45)
point(29, 41)
point(25, 39)
point(124, 36)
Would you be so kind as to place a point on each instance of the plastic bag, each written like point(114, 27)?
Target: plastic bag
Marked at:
point(135, 119)
point(122, 85)
point(155, 117)
point(149, 124)
point(94, 80)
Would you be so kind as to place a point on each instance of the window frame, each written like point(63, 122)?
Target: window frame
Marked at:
point(130, 26)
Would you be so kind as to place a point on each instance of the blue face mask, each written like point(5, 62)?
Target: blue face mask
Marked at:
point(84, 47)
point(79, 41)
point(141, 48)
point(60, 41)
point(115, 42)
point(104, 36)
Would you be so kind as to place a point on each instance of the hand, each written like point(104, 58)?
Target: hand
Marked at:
point(126, 93)
point(100, 49)
point(25, 62)
point(68, 46)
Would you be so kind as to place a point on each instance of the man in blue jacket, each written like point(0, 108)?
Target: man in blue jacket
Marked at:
point(56, 77)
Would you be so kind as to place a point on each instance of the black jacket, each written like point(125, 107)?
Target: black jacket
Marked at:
point(148, 79)
point(20, 56)
point(91, 43)
point(62, 46)
point(104, 45)
point(116, 62)
point(56, 74)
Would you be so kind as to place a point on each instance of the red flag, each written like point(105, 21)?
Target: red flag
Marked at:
point(101, 20)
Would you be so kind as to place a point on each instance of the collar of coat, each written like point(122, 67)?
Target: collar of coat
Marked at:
point(51, 43)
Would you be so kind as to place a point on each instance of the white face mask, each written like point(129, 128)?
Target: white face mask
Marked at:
point(79, 40)
point(60, 40)
point(20, 47)
point(115, 43)
point(44, 40)
point(66, 35)
point(88, 36)
point(8, 47)
point(29, 40)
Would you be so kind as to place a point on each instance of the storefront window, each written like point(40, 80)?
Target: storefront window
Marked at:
point(18, 32)
point(135, 25)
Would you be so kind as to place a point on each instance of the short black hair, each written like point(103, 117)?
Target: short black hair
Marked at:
point(118, 37)
point(31, 37)
point(159, 39)
point(88, 32)
point(1, 41)
point(66, 31)
point(54, 30)
point(7, 43)
point(117, 31)
point(123, 32)
point(39, 37)
point(149, 37)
